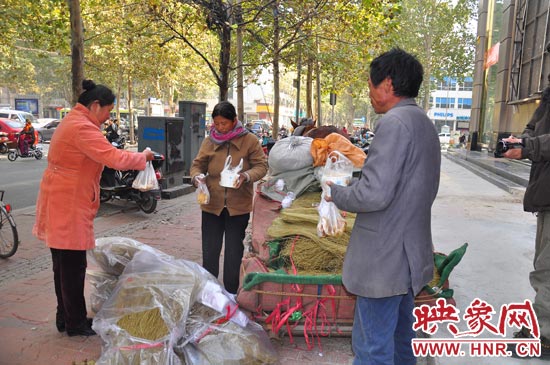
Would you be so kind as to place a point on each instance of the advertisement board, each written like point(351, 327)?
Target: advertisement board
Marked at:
point(29, 105)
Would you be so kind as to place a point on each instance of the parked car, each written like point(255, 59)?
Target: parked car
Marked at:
point(11, 127)
point(45, 133)
point(18, 115)
point(259, 126)
point(40, 122)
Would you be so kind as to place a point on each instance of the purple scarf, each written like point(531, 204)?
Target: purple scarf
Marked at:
point(219, 138)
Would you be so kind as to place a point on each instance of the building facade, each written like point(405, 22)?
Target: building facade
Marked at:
point(512, 67)
point(451, 105)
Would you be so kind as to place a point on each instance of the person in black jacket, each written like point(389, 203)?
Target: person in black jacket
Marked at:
point(535, 141)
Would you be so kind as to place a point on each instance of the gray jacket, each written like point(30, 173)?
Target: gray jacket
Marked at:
point(390, 248)
point(536, 141)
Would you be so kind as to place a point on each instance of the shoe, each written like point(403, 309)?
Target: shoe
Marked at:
point(544, 346)
point(60, 322)
point(83, 330)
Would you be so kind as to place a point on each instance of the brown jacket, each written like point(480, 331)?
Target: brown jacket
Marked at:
point(210, 161)
point(68, 199)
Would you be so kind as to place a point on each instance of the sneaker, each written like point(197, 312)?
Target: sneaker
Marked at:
point(524, 333)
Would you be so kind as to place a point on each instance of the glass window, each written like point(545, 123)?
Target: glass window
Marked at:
point(464, 103)
point(444, 102)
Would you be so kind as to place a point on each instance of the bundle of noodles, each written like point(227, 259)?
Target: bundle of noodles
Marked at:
point(213, 340)
point(147, 309)
point(311, 254)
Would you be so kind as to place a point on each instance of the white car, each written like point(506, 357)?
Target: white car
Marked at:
point(444, 138)
point(17, 115)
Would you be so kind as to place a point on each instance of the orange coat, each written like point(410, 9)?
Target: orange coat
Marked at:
point(68, 199)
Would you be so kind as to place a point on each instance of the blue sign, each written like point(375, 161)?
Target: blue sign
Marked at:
point(442, 114)
point(156, 134)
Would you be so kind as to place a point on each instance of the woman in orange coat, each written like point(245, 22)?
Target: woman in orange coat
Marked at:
point(68, 199)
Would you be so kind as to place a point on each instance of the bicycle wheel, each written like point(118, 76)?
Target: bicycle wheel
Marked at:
point(8, 235)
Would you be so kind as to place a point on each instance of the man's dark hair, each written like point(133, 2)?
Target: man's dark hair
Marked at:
point(404, 70)
point(224, 109)
point(93, 92)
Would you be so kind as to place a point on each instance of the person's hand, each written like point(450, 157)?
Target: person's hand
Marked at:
point(199, 179)
point(149, 155)
point(513, 153)
point(512, 139)
point(242, 179)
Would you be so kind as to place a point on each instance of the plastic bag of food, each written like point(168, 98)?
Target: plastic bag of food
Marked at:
point(230, 175)
point(331, 222)
point(146, 180)
point(338, 169)
point(203, 195)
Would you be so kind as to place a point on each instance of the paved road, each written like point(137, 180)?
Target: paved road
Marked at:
point(21, 178)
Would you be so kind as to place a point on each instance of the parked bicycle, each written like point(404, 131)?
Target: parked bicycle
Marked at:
point(9, 239)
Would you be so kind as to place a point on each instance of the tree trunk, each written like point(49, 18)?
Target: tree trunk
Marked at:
point(240, 88)
point(309, 88)
point(276, 71)
point(130, 112)
point(77, 49)
point(225, 59)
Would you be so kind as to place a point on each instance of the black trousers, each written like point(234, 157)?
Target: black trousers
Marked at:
point(69, 271)
point(213, 229)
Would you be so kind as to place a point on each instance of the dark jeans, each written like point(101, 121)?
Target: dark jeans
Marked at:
point(382, 330)
point(69, 271)
point(213, 229)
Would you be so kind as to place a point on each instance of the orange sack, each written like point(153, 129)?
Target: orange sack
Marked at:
point(321, 147)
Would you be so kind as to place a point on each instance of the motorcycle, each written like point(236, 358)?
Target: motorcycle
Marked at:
point(117, 184)
point(4, 140)
point(34, 151)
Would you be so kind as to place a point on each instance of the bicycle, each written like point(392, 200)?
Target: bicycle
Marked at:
point(9, 239)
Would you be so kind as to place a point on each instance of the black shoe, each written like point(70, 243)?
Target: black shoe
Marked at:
point(60, 322)
point(544, 346)
point(83, 330)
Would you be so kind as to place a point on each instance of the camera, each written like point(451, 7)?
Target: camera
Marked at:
point(502, 147)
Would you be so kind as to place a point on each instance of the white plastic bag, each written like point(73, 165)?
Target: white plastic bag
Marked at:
point(146, 180)
point(338, 169)
point(331, 222)
point(230, 175)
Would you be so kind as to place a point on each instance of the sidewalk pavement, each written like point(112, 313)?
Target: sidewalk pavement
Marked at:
point(467, 209)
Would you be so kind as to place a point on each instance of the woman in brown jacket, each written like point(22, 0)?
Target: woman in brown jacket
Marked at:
point(68, 199)
point(228, 210)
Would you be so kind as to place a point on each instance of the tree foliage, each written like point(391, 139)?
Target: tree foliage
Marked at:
point(171, 49)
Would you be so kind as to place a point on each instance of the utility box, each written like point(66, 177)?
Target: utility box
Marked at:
point(194, 126)
point(165, 135)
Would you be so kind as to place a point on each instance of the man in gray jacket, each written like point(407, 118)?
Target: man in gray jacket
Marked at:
point(390, 254)
point(535, 143)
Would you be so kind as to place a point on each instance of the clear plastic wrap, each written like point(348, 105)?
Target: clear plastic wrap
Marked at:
point(146, 315)
point(331, 222)
point(212, 340)
point(112, 254)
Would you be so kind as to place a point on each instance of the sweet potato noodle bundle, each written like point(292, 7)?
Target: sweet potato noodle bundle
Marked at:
point(310, 253)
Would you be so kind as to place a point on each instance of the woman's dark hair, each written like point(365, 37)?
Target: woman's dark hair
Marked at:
point(404, 69)
point(93, 92)
point(224, 109)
